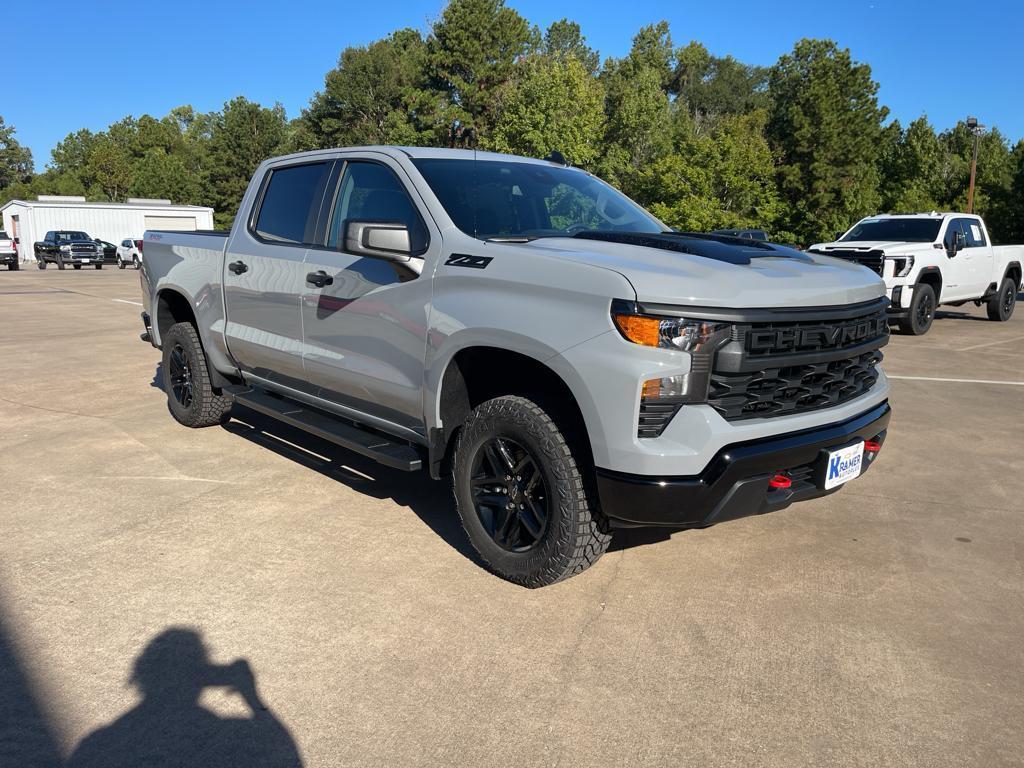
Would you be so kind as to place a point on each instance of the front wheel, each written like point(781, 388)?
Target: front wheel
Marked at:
point(191, 398)
point(136, 262)
point(120, 263)
point(1000, 307)
point(99, 266)
point(60, 262)
point(41, 263)
point(521, 497)
point(922, 312)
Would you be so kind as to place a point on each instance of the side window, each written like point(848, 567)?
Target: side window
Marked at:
point(975, 234)
point(951, 230)
point(371, 192)
point(291, 203)
point(50, 236)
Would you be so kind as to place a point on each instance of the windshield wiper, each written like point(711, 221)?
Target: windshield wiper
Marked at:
point(520, 239)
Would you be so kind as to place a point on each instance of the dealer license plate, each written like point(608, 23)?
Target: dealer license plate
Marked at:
point(843, 465)
point(84, 261)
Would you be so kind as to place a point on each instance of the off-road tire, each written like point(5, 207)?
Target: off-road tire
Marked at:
point(207, 407)
point(1000, 307)
point(576, 535)
point(922, 312)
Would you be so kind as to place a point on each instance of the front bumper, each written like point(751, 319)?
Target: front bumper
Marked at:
point(735, 482)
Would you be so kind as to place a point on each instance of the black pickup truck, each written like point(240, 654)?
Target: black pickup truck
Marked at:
point(68, 247)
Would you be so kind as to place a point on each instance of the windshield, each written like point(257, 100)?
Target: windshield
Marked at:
point(904, 230)
point(509, 199)
point(63, 237)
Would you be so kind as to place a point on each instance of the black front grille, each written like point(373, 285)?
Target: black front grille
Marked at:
point(83, 248)
point(792, 389)
point(873, 260)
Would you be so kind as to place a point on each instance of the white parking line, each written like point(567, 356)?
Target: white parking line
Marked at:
point(125, 301)
point(991, 344)
point(956, 381)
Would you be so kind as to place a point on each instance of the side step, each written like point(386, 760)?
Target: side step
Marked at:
point(387, 451)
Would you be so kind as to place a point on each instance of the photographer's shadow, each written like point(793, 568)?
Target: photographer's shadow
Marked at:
point(170, 727)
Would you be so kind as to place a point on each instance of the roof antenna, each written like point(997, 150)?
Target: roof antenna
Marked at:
point(554, 156)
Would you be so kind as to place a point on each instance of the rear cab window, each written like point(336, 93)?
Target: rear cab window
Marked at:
point(290, 203)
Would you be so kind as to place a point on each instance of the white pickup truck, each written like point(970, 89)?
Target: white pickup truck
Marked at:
point(927, 259)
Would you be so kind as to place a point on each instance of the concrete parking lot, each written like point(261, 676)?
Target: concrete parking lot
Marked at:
point(139, 559)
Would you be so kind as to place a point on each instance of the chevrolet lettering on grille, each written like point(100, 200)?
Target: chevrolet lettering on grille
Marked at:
point(793, 339)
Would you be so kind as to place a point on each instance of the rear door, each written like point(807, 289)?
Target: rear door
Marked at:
point(264, 272)
point(365, 331)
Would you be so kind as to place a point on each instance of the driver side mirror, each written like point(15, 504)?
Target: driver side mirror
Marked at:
point(381, 240)
point(958, 244)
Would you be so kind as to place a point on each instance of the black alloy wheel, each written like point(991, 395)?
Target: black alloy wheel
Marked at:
point(510, 495)
point(925, 310)
point(181, 376)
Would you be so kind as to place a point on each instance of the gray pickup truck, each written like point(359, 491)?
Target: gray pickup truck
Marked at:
point(521, 327)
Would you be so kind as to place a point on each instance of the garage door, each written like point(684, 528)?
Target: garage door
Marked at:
point(174, 223)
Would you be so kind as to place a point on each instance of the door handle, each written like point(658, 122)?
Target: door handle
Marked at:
point(238, 267)
point(319, 278)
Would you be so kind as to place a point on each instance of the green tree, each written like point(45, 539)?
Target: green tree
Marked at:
point(722, 179)
point(471, 54)
point(637, 106)
point(713, 87)
point(376, 95)
point(242, 135)
point(553, 105)
point(109, 168)
point(15, 160)
point(909, 166)
point(825, 129)
point(564, 39)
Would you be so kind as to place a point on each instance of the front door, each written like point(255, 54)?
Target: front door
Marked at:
point(956, 273)
point(264, 272)
point(365, 329)
point(978, 257)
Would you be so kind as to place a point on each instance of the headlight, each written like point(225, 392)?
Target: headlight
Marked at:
point(901, 265)
point(662, 397)
point(65, 249)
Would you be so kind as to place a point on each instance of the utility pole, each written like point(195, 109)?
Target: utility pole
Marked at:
point(977, 129)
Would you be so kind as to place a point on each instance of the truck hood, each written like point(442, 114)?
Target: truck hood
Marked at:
point(719, 271)
point(889, 247)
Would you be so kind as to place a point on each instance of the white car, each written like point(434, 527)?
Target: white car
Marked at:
point(928, 259)
point(129, 253)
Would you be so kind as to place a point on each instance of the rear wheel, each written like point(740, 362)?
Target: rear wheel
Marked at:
point(922, 311)
point(14, 266)
point(191, 398)
point(520, 494)
point(99, 266)
point(1000, 307)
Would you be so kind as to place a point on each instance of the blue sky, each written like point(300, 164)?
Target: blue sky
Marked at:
point(86, 64)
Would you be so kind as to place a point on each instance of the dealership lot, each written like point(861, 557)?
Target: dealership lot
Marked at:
point(877, 626)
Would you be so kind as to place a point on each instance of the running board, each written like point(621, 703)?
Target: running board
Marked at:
point(387, 451)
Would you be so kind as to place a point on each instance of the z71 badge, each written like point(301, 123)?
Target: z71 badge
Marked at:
point(465, 260)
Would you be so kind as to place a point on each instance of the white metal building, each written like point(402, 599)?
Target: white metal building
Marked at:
point(30, 220)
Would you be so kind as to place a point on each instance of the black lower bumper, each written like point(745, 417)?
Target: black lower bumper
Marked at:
point(736, 481)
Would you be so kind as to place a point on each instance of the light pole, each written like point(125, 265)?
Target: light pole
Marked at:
point(977, 129)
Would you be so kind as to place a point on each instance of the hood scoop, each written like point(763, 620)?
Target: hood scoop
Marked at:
point(731, 250)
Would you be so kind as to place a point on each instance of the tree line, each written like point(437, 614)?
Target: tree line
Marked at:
point(802, 148)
